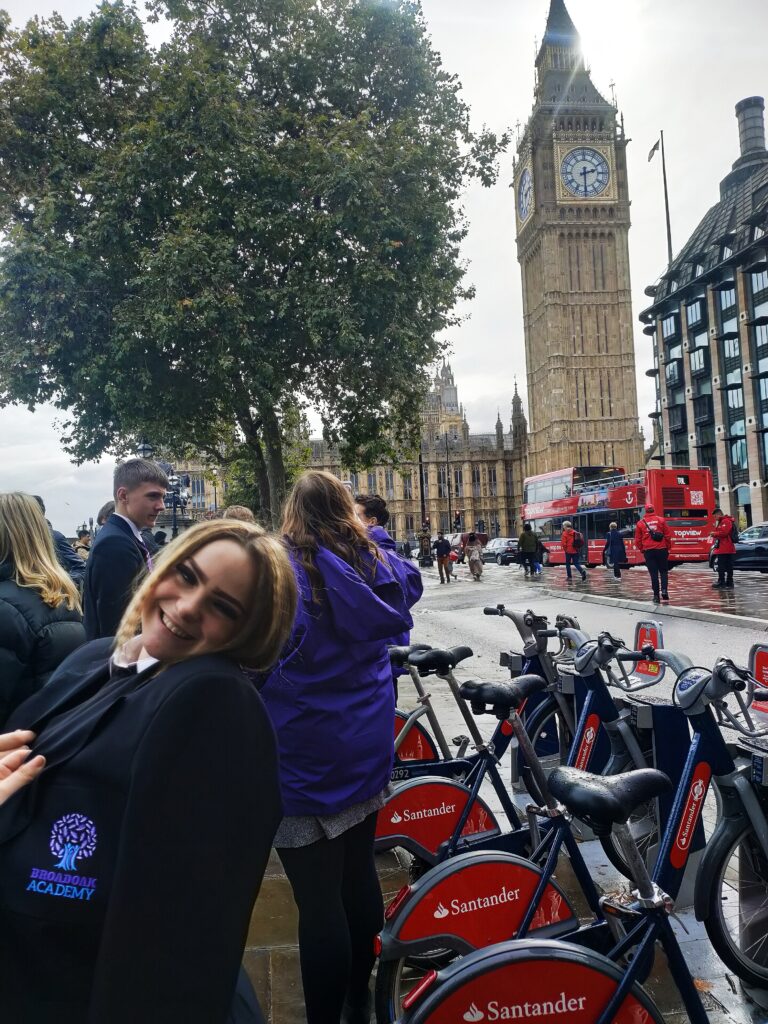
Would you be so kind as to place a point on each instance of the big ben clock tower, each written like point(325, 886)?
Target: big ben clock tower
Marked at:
point(572, 209)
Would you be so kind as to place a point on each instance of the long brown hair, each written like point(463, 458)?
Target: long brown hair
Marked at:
point(26, 542)
point(270, 609)
point(319, 512)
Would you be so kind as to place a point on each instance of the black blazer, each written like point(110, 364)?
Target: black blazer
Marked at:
point(129, 869)
point(116, 560)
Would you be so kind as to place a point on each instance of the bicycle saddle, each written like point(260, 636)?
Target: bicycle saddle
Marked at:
point(439, 661)
point(604, 800)
point(502, 696)
point(399, 655)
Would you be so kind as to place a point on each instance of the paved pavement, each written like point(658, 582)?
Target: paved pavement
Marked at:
point(452, 614)
point(690, 590)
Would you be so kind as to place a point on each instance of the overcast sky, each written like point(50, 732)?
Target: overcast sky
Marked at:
point(680, 66)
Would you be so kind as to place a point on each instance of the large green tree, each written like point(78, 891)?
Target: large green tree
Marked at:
point(259, 216)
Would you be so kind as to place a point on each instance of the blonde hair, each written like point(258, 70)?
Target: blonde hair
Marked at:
point(567, 524)
point(270, 607)
point(26, 542)
point(613, 526)
point(239, 512)
point(320, 511)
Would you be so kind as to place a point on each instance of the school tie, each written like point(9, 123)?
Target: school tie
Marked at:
point(145, 553)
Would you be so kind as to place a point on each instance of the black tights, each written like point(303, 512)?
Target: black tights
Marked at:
point(341, 910)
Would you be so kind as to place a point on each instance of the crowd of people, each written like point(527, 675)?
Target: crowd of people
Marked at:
point(168, 720)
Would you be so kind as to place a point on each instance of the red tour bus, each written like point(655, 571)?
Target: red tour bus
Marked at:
point(592, 497)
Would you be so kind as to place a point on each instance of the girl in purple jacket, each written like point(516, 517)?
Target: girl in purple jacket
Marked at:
point(332, 705)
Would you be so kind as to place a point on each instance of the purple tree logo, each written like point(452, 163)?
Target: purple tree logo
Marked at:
point(72, 838)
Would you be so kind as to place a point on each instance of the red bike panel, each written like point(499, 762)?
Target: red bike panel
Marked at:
point(547, 991)
point(691, 814)
point(425, 812)
point(648, 633)
point(588, 741)
point(484, 903)
point(417, 745)
point(758, 664)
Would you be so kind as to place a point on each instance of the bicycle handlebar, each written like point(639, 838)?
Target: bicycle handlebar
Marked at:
point(498, 610)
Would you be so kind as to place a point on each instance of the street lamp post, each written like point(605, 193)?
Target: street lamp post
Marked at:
point(215, 473)
point(421, 489)
point(173, 485)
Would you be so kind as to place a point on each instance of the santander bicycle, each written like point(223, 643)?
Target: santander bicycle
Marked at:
point(563, 980)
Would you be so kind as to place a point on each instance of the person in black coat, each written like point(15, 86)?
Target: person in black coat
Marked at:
point(70, 562)
point(40, 619)
point(614, 552)
point(129, 868)
point(119, 555)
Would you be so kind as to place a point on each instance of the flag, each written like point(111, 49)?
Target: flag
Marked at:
point(655, 148)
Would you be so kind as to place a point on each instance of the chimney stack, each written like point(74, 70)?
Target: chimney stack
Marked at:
point(751, 125)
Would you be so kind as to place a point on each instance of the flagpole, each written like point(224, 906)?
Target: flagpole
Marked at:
point(666, 200)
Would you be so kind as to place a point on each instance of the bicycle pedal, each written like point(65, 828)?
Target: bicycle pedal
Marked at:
point(613, 906)
point(462, 742)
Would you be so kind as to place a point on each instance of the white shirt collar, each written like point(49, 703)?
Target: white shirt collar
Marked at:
point(134, 528)
point(120, 661)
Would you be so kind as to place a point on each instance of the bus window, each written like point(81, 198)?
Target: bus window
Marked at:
point(561, 487)
point(685, 513)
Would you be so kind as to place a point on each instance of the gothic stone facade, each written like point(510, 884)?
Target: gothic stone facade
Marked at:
point(572, 207)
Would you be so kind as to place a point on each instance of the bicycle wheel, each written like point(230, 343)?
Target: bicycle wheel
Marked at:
point(550, 734)
point(737, 913)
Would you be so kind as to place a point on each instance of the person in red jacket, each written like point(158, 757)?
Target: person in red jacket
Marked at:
point(572, 551)
point(726, 549)
point(654, 538)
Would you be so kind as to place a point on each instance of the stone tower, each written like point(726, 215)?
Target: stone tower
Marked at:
point(572, 208)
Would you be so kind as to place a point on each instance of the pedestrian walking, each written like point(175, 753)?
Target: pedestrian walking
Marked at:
point(573, 544)
point(333, 708)
point(725, 533)
point(614, 552)
point(474, 552)
point(442, 549)
point(119, 554)
point(538, 565)
point(654, 538)
point(155, 815)
point(40, 617)
point(527, 545)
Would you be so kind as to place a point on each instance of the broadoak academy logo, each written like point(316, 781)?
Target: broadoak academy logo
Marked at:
point(73, 838)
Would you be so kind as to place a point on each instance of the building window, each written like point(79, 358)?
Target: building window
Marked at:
point(445, 525)
point(458, 481)
point(727, 299)
point(758, 232)
point(738, 452)
point(759, 281)
point(700, 340)
point(702, 410)
point(389, 483)
point(731, 348)
point(355, 481)
point(673, 373)
point(409, 530)
point(736, 398)
point(442, 482)
point(699, 361)
point(694, 313)
point(669, 326)
point(493, 489)
point(407, 486)
point(698, 270)
point(371, 483)
point(726, 252)
point(475, 481)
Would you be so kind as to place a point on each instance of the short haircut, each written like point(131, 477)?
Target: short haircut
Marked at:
point(83, 533)
point(375, 507)
point(135, 472)
point(239, 512)
point(716, 510)
point(104, 513)
point(270, 608)
point(527, 526)
point(613, 526)
point(567, 524)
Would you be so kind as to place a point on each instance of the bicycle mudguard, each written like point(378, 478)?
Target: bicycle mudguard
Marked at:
point(530, 979)
point(472, 901)
point(418, 745)
point(422, 814)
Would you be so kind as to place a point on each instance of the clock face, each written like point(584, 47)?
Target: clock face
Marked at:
point(585, 172)
point(525, 194)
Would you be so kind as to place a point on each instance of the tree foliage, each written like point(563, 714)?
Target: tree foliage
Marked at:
point(261, 215)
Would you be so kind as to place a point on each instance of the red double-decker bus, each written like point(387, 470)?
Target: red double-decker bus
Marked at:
point(593, 497)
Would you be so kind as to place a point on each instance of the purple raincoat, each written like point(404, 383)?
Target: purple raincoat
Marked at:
point(330, 699)
point(407, 575)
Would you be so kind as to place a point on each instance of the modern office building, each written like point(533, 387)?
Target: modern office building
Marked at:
point(573, 219)
point(709, 327)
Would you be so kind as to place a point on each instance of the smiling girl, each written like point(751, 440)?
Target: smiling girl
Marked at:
point(129, 868)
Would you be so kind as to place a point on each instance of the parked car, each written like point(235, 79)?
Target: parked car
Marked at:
point(501, 550)
point(751, 549)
